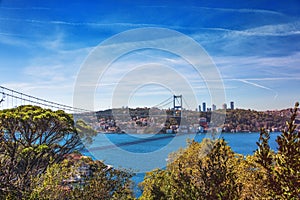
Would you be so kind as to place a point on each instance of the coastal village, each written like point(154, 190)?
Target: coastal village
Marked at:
point(236, 120)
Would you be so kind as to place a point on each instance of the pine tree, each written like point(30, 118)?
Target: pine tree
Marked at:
point(281, 170)
point(287, 170)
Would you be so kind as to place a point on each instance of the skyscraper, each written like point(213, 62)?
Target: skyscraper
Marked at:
point(214, 107)
point(232, 105)
point(224, 106)
point(204, 107)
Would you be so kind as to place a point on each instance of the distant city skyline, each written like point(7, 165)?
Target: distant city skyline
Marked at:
point(255, 46)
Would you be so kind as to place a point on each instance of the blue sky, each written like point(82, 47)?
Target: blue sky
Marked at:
point(254, 44)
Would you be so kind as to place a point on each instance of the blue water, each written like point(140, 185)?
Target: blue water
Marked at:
point(142, 153)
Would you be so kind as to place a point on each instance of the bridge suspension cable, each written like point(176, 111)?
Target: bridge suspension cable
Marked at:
point(14, 95)
point(185, 102)
point(164, 103)
point(170, 100)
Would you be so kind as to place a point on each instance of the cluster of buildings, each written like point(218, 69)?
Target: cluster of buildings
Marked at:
point(82, 172)
point(133, 124)
point(139, 120)
point(214, 107)
point(107, 125)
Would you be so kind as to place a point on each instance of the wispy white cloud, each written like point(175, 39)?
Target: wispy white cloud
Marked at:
point(30, 87)
point(259, 66)
point(54, 42)
point(49, 72)
point(24, 8)
point(242, 10)
point(290, 78)
point(216, 9)
point(13, 39)
point(267, 40)
point(10, 34)
point(286, 29)
point(69, 23)
point(52, 76)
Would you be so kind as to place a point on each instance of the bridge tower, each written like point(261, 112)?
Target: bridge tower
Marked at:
point(177, 105)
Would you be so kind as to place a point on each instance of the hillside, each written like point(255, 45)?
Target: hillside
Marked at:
point(251, 120)
point(238, 120)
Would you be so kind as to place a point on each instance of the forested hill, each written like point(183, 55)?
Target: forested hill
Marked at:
point(251, 120)
point(237, 120)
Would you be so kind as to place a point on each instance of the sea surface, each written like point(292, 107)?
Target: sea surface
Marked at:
point(144, 152)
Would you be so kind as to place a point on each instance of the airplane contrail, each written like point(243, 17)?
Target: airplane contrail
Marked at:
point(259, 86)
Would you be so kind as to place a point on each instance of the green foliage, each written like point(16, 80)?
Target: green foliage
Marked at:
point(218, 173)
point(251, 120)
point(85, 131)
point(281, 170)
point(102, 183)
point(264, 153)
point(31, 139)
point(49, 184)
point(204, 170)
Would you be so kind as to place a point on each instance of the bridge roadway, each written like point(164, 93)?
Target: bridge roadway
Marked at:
point(139, 141)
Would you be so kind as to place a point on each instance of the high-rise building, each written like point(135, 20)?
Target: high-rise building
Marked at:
point(214, 107)
point(232, 105)
point(204, 107)
point(224, 106)
point(199, 108)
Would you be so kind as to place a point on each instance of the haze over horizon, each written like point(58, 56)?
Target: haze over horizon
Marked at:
point(255, 46)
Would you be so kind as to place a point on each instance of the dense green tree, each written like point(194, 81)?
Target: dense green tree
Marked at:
point(102, 182)
point(247, 173)
point(281, 170)
point(31, 139)
point(218, 174)
point(204, 170)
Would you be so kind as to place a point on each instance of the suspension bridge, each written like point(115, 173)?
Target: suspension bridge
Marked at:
point(11, 98)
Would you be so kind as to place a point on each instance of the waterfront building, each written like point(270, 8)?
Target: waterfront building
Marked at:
point(203, 122)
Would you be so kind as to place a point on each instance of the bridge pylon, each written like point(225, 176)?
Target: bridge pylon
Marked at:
point(177, 105)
